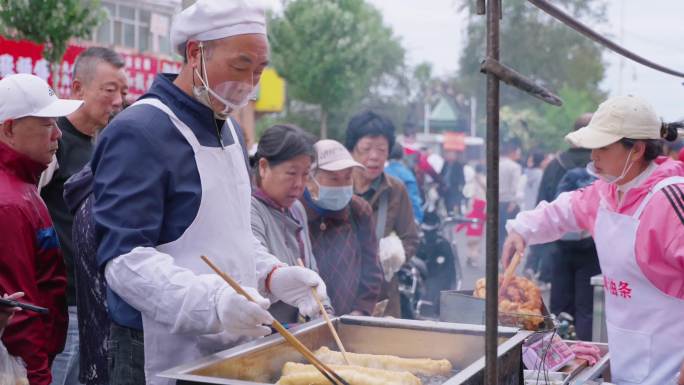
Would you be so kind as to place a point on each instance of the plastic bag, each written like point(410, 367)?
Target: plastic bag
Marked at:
point(12, 370)
point(548, 353)
point(392, 255)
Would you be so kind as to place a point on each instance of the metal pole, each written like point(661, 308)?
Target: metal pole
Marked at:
point(595, 36)
point(492, 246)
point(473, 116)
point(426, 117)
point(519, 81)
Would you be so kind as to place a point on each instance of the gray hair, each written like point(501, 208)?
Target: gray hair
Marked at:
point(87, 61)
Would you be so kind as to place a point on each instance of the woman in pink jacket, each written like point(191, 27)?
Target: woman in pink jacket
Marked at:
point(635, 212)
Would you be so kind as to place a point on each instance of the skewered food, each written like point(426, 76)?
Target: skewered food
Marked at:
point(301, 374)
point(521, 301)
point(423, 366)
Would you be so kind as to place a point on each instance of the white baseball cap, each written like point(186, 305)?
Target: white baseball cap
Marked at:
point(24, 95)
point(331, 155)
point(216, 19)
point(619, 117)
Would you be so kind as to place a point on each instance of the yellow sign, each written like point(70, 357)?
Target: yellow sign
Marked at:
point(271, 96)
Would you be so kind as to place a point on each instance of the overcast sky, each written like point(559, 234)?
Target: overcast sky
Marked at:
point(432, 30)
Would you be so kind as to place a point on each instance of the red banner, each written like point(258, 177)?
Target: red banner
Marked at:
point(27, 57)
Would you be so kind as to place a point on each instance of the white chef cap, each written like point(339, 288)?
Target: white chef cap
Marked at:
point(217, 19)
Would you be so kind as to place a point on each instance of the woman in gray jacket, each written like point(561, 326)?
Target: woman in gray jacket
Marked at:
point(283, 161)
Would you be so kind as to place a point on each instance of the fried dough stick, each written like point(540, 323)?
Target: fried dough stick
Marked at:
point(423, 366)
point(301, 374)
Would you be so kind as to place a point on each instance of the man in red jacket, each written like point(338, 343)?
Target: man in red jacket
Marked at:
point(29, 250)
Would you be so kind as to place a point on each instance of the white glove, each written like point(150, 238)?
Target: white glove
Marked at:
point(241, 317)
point(292, 285)
point(391, 254)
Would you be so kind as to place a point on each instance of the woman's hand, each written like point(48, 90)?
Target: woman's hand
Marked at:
point(514, 243)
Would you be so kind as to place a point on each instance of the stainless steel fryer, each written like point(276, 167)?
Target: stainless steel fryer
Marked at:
point(261, 361)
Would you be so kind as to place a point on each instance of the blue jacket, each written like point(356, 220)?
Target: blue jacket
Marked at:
point(146, 184)
point(401, 172)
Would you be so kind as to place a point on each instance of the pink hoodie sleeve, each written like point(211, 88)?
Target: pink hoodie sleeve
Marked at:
point(660, 244)
point(570, 212)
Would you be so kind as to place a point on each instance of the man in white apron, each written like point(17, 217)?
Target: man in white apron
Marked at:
point(171, 184)
point(635, 212)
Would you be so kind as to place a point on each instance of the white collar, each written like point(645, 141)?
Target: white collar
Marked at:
point(640, 179)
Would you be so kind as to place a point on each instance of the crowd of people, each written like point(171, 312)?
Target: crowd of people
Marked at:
point(107, 208)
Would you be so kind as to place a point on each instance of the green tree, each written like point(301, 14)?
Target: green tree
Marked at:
point(560, 121)
point(50, 22)
point(545, 128)
point(333, 53)
point(539, 47)
point(422, 75)
point(523, 124)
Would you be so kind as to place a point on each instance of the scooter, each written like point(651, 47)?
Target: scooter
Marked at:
point(436, 266)
point(412, 289)
point(444, 271)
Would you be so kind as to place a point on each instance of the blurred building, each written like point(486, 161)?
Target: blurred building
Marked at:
point(139, 30)
point(142, 26)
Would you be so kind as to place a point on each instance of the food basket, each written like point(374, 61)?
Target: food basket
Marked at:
point(461, 306)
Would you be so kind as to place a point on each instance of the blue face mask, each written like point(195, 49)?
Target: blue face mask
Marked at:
point(334, 198)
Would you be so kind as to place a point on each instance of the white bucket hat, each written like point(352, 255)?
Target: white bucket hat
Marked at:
point(24, 95)
point(616, 118)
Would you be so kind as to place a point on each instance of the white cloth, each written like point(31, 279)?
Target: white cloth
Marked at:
point(171, 286)
point(509, 180)
point(436, 161)
point(218, 19)
point(644, 324)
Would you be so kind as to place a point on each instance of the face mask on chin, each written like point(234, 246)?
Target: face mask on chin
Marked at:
point(612, 179)
point(333, 198)
point(232, 94)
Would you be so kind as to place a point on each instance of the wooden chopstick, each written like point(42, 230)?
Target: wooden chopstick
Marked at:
point(510, 271)
point(327, 320)
point(333, 377)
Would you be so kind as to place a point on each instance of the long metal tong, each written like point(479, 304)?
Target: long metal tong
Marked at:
point(333, 377)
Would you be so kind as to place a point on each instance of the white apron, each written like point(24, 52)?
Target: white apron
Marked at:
point(645, 327)
point(221, 230)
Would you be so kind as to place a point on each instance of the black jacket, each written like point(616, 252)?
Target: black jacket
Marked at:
point(567, 160)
